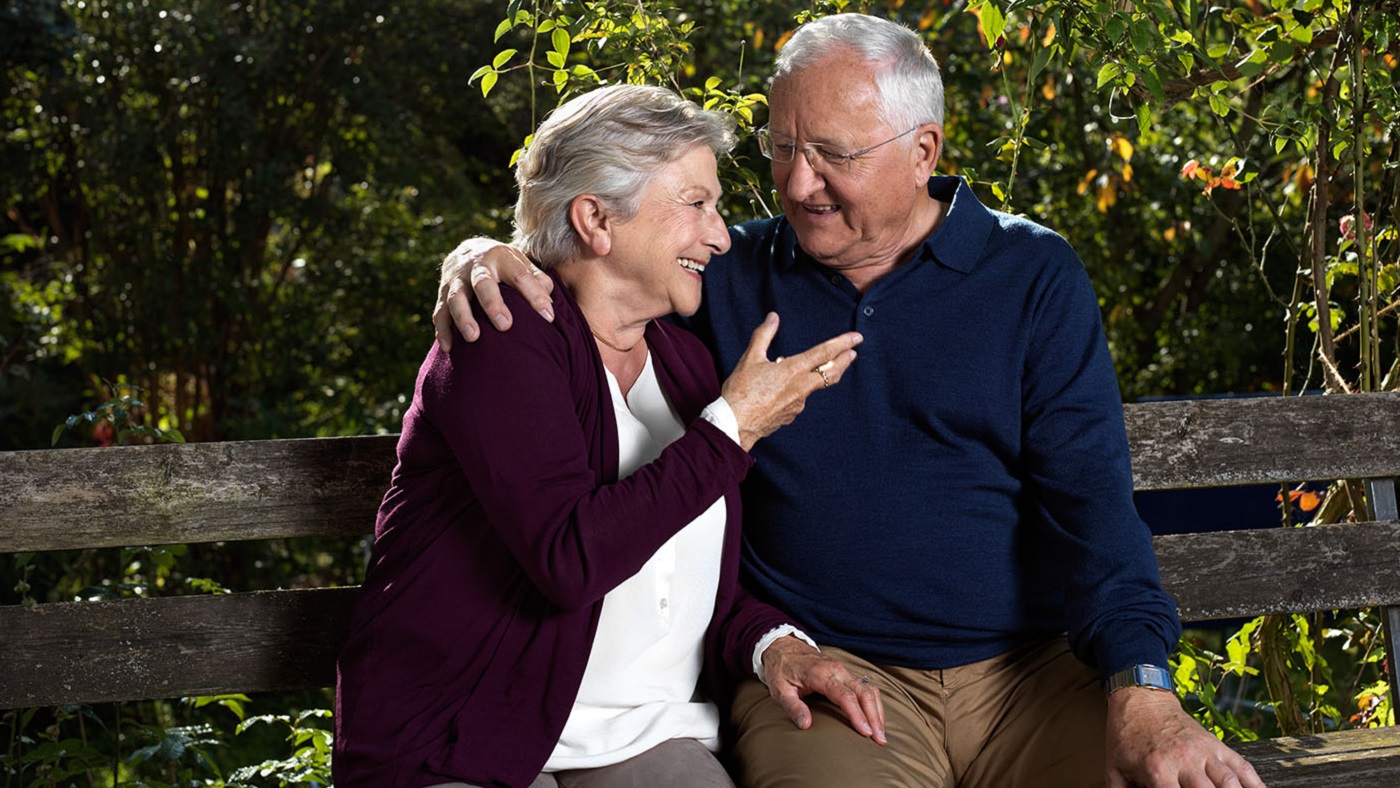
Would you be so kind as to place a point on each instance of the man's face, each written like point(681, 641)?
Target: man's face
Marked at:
point(865, 216)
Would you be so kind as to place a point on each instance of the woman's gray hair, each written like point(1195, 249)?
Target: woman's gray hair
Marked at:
point(907, 76)
point(608, 143)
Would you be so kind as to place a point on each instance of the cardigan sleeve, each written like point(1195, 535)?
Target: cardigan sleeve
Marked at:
point(523, 412)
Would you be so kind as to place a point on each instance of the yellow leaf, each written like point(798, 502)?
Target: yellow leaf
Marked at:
point(782, 39)
point(1107, 198)
point(1049, 36)
point(1126, 172)
point(1088, 178)
point(1048, 89)
point(1121, 147)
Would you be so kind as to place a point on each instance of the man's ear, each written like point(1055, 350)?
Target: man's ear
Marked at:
point(590, 219)
point(928, 147)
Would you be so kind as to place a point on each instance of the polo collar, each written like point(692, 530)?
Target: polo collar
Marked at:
point(957, 243)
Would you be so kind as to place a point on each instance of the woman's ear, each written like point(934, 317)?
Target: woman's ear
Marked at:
point(590, 219)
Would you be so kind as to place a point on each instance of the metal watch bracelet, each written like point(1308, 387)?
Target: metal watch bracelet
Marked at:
point(1150, 676)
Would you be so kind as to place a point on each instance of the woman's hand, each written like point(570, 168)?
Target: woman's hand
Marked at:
point(766, 395)
point(482, 264)
point(792, 669)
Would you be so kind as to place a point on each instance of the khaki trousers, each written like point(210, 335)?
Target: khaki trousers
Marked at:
point(1032, 717)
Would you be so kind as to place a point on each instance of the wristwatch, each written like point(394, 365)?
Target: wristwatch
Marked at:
point(1150, 676)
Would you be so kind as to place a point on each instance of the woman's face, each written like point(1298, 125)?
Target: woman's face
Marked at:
point(663, 250)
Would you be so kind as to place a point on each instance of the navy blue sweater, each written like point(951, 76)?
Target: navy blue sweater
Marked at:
point(966, 487)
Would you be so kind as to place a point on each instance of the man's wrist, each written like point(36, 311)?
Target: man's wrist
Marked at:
point(1147, 676)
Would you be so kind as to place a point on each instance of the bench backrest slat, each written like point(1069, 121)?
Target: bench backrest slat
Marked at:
point(169, 647)
point(280, 640)
point(192, 493)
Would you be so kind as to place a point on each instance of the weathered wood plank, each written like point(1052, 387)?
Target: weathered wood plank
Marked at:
point(203, 492)
point(131, 649)
point(77, 498)
point(1361, 757)
point(1226, 442)
point(134, 649)
point(1234, 574)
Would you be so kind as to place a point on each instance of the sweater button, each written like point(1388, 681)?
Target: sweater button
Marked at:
point(868, 311)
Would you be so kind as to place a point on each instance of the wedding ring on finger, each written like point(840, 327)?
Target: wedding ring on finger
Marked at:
point(479, 272)
point(821, 370)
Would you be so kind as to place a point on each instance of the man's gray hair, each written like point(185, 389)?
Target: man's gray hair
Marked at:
point(907, 76)
point(608, 143)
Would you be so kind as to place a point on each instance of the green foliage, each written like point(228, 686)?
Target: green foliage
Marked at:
point(310, 761)
point(117, 422)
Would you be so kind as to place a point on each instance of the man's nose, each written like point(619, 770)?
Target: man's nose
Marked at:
point(803, 180)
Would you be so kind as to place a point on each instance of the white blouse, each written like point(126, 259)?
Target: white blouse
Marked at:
point(639, 688)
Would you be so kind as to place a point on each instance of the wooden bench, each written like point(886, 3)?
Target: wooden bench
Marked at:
point(268, 641)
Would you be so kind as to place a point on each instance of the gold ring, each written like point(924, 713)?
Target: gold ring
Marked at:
point(821, 370)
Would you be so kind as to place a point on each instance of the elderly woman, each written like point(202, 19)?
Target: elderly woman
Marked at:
point(554, 610)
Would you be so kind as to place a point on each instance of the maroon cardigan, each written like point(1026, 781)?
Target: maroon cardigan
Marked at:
point(503, 527)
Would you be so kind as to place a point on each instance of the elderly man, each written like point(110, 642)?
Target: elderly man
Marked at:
point(955, 521)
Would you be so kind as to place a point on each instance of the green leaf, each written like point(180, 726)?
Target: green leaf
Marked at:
point(555, 59)
point(57, 433)
point(1115, 27)
point(19, 242)
point(1143, 34)
point(502, 57)
point(1219, 105)
point(1153, 82)
point(478, 74)
point(1042, 59)
point(488, 81)
point(561, 78)
point(712, 83)
point(1107, 73)
point(992, 22)
point(1144, 118)
point(503, 28)
point(561, 41)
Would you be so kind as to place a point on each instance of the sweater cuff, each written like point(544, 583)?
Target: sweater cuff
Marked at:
point(1124, 649)
point(767, 640)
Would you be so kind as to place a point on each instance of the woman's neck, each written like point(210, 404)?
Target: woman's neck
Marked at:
point(618, 331)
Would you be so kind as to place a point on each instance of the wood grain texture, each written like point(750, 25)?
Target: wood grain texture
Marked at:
point(91, 652)
point(189, 493)
point(1368, 757)
point(176, 494)
point(1242, 574)
point(1226, 442)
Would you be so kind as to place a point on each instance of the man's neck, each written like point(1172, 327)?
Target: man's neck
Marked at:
point(922, 225)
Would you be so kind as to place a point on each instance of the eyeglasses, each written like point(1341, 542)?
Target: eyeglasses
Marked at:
point(823, 158)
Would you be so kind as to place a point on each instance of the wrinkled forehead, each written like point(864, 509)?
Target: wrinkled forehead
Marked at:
point(836, 89)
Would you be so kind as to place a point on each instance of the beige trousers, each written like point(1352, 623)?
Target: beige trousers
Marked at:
point(1033, 717)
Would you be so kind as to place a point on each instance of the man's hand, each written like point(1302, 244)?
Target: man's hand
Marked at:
point(481, 264)
point(793, 669)
point(1154, 743)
